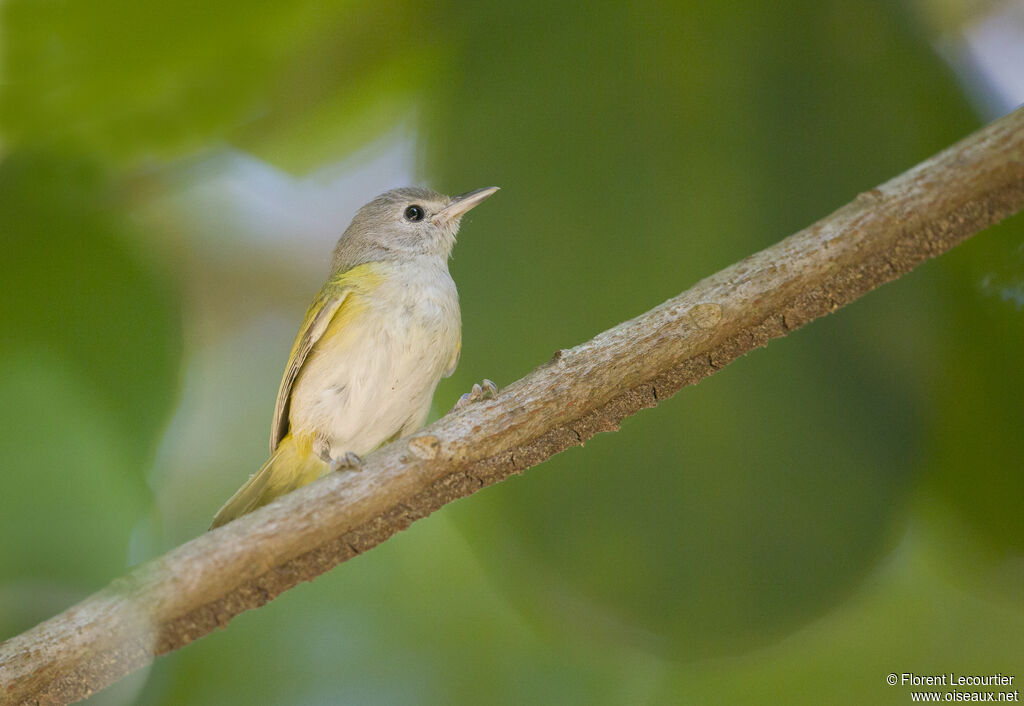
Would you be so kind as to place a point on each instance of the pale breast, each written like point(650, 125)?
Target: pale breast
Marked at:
point(367, 380)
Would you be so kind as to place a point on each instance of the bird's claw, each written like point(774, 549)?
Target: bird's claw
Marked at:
point(481, 391)
point(346, 462)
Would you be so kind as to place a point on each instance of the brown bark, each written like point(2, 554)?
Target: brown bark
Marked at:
point(201, 585)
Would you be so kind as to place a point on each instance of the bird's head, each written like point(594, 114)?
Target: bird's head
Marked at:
point(404, 223)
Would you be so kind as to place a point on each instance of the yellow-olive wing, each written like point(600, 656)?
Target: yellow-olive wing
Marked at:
point(318, 318)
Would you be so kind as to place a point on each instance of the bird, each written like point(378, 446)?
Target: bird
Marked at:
point(377, 339)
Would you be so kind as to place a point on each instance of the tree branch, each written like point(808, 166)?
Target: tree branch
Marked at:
point(170, 601)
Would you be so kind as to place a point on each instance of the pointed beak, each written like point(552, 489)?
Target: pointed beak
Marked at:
point(463, 202)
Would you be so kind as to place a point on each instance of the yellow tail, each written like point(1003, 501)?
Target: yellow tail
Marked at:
point(292, 465)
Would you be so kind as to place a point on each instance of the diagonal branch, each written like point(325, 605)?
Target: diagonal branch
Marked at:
point(170, 601)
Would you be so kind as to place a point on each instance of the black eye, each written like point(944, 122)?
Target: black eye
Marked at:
point(414, 213)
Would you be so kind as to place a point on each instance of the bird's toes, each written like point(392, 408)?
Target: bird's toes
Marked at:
point(489, 389)
point(347, 462)
point(485, 390)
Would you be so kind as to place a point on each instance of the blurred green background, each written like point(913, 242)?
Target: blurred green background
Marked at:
point(841, 505)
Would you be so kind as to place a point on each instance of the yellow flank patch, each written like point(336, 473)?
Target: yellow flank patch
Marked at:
point(357, 282)
point(361, 278)
point(303, 443)
point(341, 322)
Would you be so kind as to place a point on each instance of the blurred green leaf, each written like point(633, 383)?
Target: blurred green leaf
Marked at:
point(125, 81)
point(68, 510)
point(89, 348)
point(976, 449)
point(81, 290)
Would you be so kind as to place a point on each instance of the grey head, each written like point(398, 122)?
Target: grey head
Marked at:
point(402, 224)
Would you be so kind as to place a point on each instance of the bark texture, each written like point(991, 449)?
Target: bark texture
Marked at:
point(200, 586)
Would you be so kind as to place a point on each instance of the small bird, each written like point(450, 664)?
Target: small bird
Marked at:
point(379, 336)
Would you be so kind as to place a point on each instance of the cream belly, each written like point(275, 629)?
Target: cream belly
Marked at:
point(374, 377)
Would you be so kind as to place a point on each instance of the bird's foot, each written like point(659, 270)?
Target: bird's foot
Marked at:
point(481, 391)
point(346, 462)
